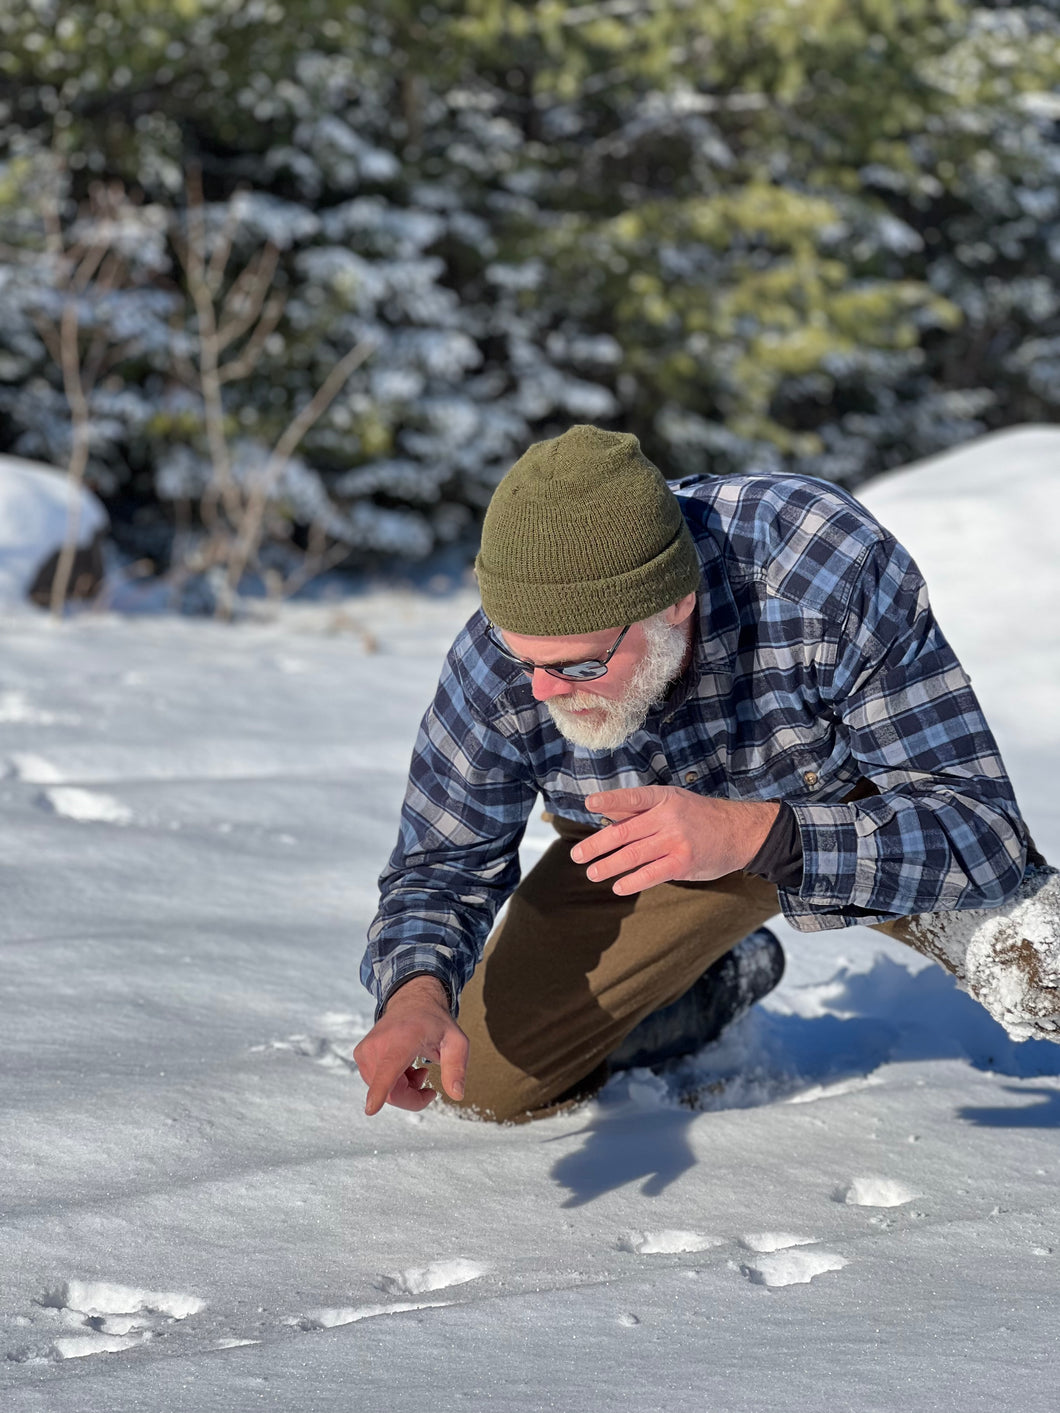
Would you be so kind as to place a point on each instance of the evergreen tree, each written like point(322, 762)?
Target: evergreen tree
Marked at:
point(820, 236)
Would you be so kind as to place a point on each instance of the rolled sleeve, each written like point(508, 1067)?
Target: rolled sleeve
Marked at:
point(944, 832)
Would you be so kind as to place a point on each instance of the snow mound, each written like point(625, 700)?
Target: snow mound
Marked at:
point(876, 1192)
point(437, 1276)
point(34, 515)
point(87, 806)
point(95, 1298)
point(791, 1267)
point(34, 769)
point(666, 1242)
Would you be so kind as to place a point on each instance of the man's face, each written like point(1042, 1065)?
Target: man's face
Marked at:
point(606, 711)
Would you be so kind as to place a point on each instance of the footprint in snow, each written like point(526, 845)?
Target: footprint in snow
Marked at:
point(767, 1241)
point(417, 1280)
point(329, 1318)
point(792, 1266)
point(439, 1275)
point(668, 1241)
point(17, 709)
point(104, 1318)
point(783, 1259)
point(875, 1192)
point(85, 806)
point(34, 769)
point(333, 1048)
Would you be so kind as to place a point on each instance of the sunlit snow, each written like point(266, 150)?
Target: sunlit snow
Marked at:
point(197, 1216)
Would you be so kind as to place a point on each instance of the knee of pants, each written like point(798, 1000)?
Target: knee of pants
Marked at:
point(505, 1102)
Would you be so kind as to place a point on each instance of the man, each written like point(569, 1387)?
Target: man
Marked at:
point(733, 698)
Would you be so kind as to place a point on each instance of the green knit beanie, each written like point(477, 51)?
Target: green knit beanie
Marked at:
point(582, 534)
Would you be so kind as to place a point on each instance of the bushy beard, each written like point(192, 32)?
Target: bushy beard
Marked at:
point(614, 722)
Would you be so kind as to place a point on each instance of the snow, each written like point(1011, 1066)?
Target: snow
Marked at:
point(196, 1215)
point(876, 1192)
point(34, 513)
point(666, 1242)
point(782, 1268)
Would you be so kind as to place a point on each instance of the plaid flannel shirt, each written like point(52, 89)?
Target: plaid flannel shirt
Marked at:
point(816, 661)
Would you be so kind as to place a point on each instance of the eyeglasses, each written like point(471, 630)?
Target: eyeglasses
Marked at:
point(586, 671)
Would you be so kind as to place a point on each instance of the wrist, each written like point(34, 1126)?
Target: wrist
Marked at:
point(761, 816)
point(415, 993)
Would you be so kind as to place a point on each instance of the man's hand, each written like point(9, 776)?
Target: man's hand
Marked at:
point(415, 1024)
point(663, 834)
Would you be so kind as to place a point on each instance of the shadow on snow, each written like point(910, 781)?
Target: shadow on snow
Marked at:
point(830, 1034)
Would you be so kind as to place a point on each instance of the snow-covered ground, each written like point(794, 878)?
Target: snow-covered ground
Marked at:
point(852, 1202)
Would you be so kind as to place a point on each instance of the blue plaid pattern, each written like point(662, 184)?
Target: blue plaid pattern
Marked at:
point(817, 660)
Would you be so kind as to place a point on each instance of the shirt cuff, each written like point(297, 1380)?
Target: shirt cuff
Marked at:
point(399, 975)
point(779, 860)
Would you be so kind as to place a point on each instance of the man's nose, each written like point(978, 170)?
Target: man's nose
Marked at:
point(545, 686)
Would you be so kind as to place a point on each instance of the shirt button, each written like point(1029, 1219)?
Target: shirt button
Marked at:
point(691, 776)
point(810, 778)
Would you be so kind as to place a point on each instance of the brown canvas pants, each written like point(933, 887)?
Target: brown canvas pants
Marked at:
point(572, 968)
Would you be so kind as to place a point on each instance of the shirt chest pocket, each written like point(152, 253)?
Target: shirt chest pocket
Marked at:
point(804, 761)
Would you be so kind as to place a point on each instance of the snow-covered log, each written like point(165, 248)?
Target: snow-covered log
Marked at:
point(1008, 958)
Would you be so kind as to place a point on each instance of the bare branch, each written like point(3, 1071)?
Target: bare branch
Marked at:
point(49, 336)
point(313, 565)
point(248, 359)
point(222, 488)
point(215, 271)
point(249, 536)
point(244, 302)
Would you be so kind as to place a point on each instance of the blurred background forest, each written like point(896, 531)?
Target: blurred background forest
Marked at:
point(291, 285)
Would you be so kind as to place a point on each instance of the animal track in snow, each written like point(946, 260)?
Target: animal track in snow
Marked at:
point(333, 1049)
point(329, 1319)
point(35, 770)
point(313, 1047)
point(795, 1266)
point(86, 806)
point(417, 1280)
point(875, 1192)
point(16, 709)
point(767, 1241)
point(668, 1241)
point(439, 1275)
point(105, 1318)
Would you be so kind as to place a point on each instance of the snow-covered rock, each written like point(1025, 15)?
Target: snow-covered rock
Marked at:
point(34, 522)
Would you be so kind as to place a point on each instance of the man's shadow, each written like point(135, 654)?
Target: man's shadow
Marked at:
point(871, 1018)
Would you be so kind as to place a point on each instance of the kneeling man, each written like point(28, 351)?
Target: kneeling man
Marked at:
point(734, 699)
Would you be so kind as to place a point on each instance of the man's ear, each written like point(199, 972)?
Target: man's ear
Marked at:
point(678, 612)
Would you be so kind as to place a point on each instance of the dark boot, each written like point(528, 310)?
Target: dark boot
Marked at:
point(725, 992)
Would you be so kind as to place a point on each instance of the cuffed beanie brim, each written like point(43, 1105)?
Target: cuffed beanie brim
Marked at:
point(583, 534)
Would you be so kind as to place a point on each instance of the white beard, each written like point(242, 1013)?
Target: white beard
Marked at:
point(613, 722)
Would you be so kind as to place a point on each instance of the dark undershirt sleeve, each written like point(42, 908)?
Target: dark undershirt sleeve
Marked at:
point(779, 860)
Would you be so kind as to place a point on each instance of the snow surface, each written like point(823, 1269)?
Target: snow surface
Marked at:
point(196, 1216)
point(34, 520)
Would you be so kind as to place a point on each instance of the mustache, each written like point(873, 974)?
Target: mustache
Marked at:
point(580, 701)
